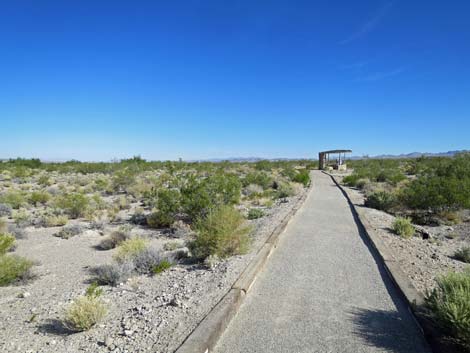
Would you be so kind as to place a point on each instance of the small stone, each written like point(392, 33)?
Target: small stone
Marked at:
point(24, 295)
point(108, 342)
point(175, 302)
point(128, 332)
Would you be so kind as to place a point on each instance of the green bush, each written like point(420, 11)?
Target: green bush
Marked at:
point(39, 197)
point(14, 268)
point(258, 178)
point(220, 233)
point(74, 204)
point(351, 180)
point(167, 202)
point(6, 243)
point(303, 177)
point(255, 213)
point(284, 190)
point(381, 200)
point(13, 198)
point(463, 255)
point(403, 227)
point(449, 306)
point(444, 184)
point(162, 266)
point(198, 197)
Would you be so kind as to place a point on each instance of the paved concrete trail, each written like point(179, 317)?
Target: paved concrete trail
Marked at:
point(323, 290)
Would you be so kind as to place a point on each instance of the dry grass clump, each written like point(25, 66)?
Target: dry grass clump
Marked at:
point(449, 306)
point(403, 227)
point(116, 238)
point(85, 312)
point(130, 248)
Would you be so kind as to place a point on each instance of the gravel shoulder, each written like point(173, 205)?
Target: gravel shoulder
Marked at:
point(146, 314)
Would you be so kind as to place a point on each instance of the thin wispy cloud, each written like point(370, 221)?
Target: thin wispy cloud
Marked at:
point(377, 76)
point(369, 25)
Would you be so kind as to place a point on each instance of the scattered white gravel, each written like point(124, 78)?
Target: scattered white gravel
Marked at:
point(146, 314)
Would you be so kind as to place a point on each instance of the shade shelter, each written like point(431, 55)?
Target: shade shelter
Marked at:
point(325, 159)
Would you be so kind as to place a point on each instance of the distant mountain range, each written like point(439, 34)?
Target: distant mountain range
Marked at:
point(382, 156)
point(415, 155)
point(257, 159)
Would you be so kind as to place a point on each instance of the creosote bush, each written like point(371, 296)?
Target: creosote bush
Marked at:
point(74, 204)
point(403, 227)
point(449, 306)
point(220, 233)
point(380, 200)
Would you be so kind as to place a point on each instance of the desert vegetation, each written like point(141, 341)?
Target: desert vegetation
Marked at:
point(428, 200)
point(127, 225)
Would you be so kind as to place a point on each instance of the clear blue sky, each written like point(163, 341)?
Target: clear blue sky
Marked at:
point(96, 80)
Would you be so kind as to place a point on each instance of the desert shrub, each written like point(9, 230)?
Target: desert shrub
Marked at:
point(199, 196)
point(172, 245)
point(380, 200)
point(147, 260)
point(44, 180)
point(403, 227)
point(351, 180)
point(39, 197)
point(3, 225)
point(253, 190)
point(5, 210)
point(55, 220)
point(17, 232)
point(7, 242)
point(114, 239)
point(258, 178)
point(70, 231)
point(130, 248)
point(22, 218)
point(94, 290)
point(449, 305)
point(255, 213)
point(463, 255)
point(85, 312)
point(284, 190)
point(112, 274)
point(450, 217)
point(220, 233)
point(302, 177)
point(361, 183)
point(14, 268)
point(74, 204)
point(138, 218)
point(14, 199)
point(123, 178)
point(162, 266)
point(444, 184)
point(167, 202)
